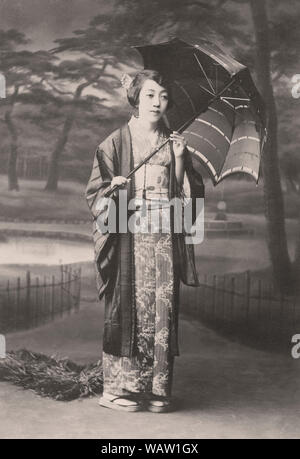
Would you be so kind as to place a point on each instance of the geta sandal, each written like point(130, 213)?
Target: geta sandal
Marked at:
point(119, 402)
point(159, 406)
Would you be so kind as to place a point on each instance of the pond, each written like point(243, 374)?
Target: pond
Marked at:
point(31, 250)
point(215, 256)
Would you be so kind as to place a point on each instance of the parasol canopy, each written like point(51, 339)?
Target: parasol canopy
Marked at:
point(216, 106)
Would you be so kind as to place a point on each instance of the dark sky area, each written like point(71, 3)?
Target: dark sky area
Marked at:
point(45, 20)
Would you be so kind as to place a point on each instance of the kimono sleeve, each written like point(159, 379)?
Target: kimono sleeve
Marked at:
point(103, 171)
point(194, 178)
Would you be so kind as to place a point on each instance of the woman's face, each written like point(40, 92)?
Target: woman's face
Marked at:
point(153, 101)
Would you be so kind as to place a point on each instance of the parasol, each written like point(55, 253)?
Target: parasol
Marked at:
point(216, 106)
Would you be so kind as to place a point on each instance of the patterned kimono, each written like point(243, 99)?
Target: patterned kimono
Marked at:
point(138, 274)
point(150, 370)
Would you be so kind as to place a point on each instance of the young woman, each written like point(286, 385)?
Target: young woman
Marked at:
point(138, 273)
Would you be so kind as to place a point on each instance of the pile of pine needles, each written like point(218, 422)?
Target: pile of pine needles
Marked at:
point(60, 379)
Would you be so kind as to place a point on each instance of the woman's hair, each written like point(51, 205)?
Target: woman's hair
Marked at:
point(136, 85)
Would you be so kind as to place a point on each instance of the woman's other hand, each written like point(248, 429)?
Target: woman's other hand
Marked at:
point(179, 144)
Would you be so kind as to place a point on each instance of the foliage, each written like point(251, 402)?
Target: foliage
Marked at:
point(60, 379)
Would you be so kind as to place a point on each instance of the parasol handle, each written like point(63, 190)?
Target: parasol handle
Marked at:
point(180, 130)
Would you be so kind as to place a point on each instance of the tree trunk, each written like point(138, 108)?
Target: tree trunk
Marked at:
point(52, 180)
point(274, 204)
point(12, 162)
point(61, 143)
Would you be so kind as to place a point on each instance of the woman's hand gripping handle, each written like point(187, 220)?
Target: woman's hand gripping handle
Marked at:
point(117, 182)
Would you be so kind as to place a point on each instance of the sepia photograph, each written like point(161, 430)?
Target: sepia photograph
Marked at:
point(149, 222)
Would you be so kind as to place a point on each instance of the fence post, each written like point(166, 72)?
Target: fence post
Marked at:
point(8, 292)
point(61, 290)
point(232, 297)
point(45, 308)
point(27, 309)
point(214, 296)
point(37, 306)
point(259, 298)
point(281, 315)
point(270, 306)
point(52, 297)
point(18, 303)
point(79, 289)
point(247, 292)
point(270, 299)
point(222, 315)
point(198, 301)
point(7, 307)
point(204, 294)
point(69, 293)
point(295, 297)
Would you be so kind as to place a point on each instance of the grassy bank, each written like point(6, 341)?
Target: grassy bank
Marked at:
point(68, 202)
point(33, 202)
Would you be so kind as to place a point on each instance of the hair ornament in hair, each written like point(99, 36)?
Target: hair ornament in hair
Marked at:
point(126, 81)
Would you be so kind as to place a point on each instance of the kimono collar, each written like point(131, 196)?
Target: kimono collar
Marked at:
point(136, 127)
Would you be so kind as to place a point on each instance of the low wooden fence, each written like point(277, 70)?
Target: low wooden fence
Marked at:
point(31, 167)
point(35, 301)
point(243, 306)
